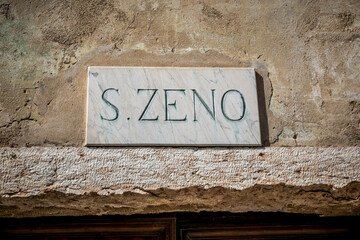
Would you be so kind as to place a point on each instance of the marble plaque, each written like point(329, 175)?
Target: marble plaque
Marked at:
point(158, 106)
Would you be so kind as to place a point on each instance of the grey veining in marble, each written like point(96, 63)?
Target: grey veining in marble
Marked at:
point(172, 106)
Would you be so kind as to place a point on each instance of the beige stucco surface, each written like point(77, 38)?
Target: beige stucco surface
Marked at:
point(305, 53)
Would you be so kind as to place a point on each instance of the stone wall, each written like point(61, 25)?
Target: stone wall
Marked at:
point(305, 53)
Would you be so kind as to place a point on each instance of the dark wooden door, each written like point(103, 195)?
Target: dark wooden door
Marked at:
point(218, 226)
point(125, 228)
point(209, 226)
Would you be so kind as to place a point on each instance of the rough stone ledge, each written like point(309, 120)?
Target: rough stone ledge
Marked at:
point(32, 171)
point(81, 181)
point(315, 199)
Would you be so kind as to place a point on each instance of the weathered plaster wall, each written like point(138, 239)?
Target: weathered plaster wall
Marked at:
point(306, 54)
point(306, 51)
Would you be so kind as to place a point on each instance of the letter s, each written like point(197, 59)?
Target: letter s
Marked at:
point(111, 105)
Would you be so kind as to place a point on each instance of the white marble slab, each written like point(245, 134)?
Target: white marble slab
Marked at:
point(172, 107)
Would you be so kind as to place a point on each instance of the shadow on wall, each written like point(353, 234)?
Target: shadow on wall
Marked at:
point(264, 126)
